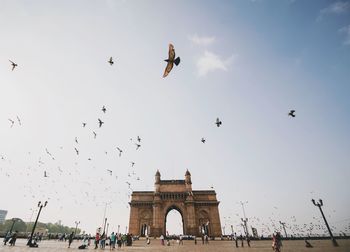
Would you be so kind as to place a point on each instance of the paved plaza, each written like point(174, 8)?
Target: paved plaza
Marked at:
point(189, 246)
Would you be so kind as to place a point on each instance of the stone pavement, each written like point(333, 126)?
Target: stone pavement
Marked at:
point(189, 246)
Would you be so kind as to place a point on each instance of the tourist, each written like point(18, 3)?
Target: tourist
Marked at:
point(112, 241)
point(162, 239)
point(248, 240)
point(276, 242)
point(195, 240)
point(13, 239)
point(206, 239)
point(119, 240)
point(7, 237)
point(181, 242)
point(97, 239)
point(236, 239)
point(70, 239)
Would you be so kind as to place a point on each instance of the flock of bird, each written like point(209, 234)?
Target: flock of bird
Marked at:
point(106, 194)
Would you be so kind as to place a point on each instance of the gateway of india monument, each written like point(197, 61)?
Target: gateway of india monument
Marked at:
point(198, 208)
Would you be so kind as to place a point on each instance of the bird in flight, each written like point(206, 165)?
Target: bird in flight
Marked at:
point(110, 61)
point(76, 140)
point(132, 164)
point(291, 113)
point(138, 139)
point(100, 122)
point(84, 124)
point(12, 122)
point(120, 151)
point(19, 121)
point(171, 60)
point(45, 175)
point(110, 172)
point(218, 122)
point(76, 150)
point(137, 146)
point(14, 65)
point(94, 134)
point(104, 109)
point(203, 140)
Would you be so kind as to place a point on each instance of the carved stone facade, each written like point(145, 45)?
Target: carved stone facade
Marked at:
point(199, 209)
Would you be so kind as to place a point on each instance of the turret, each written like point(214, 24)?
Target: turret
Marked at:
point(188, 181)
point(157, 181)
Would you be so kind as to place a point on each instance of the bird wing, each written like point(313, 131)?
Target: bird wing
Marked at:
point(12, 62)
point(110, 59)
point(171, 52)
point(168, 68)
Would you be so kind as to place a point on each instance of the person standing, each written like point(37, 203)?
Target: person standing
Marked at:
point(70, 239)
point(236, 239)
point(13, 239)
point(242, 240)
point(112, 243)
point(97, 240)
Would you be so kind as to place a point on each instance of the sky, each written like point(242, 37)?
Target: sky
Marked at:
point(245, 62)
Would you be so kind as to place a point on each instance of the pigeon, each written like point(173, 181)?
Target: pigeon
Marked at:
point(203, 140)
point(110, 61)
point(120, 151)
point(19, 121)
point(110, 172)
point(171, 60)
point(45, 175)
point(218, 122)
point(291, 113)
point(76, 140)
point(12, 122)
point(138, 139)
point(84, 124)
point(132, 164)
point(76, 150)
point(137, 146)
point(13, 64)
point(104, 109)
point(94, 134)
point(100, 122)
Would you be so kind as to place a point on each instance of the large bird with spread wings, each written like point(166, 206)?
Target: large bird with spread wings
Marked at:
point(171, 60)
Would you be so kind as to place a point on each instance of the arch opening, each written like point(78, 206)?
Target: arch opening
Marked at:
point(174, 223)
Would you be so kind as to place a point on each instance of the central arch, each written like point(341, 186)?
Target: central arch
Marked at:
point(177, 209)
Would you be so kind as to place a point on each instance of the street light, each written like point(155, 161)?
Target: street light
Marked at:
point(245, 220)
point(118, 228)
point(29, 243)
point(104, 226)
point(13, 223)
point(284, 227)
point(319, 204)
point(76, 227)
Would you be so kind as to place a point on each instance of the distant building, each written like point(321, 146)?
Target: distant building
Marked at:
point(3, 214)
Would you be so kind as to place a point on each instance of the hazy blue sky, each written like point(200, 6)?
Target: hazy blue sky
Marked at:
point(246, 62)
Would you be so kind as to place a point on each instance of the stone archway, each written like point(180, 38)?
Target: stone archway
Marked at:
point(169, 209)
point(198, 208)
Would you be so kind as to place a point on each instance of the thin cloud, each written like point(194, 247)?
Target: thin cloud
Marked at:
point(210, 62)
point(335, 9)
point(202, 41)
point(346, 30)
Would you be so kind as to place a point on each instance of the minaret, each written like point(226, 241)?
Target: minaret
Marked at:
point(157, 181)
point(188, 181)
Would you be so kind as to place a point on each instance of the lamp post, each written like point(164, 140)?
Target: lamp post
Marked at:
point(36, 221)
point(284, 228)
point(232, 229)
point(319, 204)
point(126, 229)
point(76, 227)
point(104, 226)
point(107, 230)
point(118, 228)
point(245, 219)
